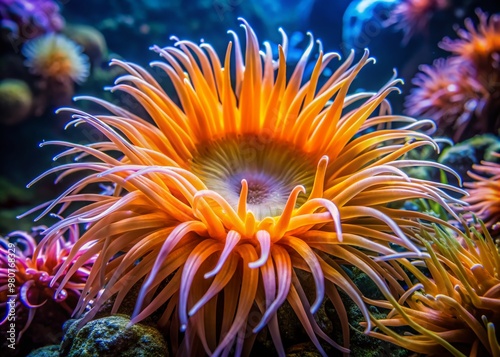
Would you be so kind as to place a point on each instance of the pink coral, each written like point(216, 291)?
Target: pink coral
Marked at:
point(25, 284)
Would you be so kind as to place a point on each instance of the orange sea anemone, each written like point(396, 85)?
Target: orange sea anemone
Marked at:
point(252, 175)
point(56, 56)
point(478, 52)
point(448, 94)
point(455, 303)
point(484, 193)
point(479, 46)
point(413, 16)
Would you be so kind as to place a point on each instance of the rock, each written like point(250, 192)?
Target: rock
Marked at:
point(15, 101)
point(110, 336)
point(361, 344)
point(47, 351)
point(91, 40)
point(463, 155)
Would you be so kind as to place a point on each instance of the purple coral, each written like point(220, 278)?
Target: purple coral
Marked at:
point(27, 19)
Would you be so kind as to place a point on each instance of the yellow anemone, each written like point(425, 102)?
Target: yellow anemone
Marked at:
point(247, 175)
point(455, 305)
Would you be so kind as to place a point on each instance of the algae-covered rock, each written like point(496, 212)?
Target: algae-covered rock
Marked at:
point(463, 155)
point(15, 101)
point(110, 336)
point(360, 344)
point(47, 351)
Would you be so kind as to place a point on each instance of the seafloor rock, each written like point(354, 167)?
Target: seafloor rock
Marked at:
point(47, 351)
point(463, 155)
point(91, 40)
point(110, 336)
point(15, 101)
point(361, 344)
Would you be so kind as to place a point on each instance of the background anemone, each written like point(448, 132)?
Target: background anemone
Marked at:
point(58, 63)
point(478, 48)
point(55, 56)
point(461, 93)
point(449, 95)
point(484, 193)
point(218, 204)
point(478, 45)
point(454, 303)
point(34, 284)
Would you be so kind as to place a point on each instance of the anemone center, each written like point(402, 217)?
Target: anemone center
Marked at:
point(262, 187)
point(271, 169)
point(258, 192)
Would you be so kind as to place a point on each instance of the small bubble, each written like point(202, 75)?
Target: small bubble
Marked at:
point(61, 296)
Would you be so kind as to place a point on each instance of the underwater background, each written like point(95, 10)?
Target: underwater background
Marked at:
point(447, 52)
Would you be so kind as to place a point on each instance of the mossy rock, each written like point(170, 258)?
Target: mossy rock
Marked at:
point(15, 101)
point(47, 351)
point(111, 336)
point(462, 156)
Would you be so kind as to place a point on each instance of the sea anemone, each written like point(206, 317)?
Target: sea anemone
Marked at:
point(484, 193)
point(461, 92)
point(413, 16)
point(248, 178)
point(455, 303)
point(448, 94)
point(26, 282)
point(478, 53)
point(56, 57)
point(479, 46)
point(27, 19)
point(58, 63)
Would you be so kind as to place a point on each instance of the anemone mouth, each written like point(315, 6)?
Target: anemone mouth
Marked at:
point(271, 169)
